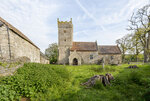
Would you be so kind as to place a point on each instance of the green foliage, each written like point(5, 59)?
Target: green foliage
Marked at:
point(106, 69)
point(8, 65)
point(7, 94)
point(133, 58)
point(34, 80)
point(3, 64)
point(52, 53)
point(146, 95)
point(99, 85)
point(62, 83)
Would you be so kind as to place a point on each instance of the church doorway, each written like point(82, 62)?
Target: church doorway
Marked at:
point(75, 61)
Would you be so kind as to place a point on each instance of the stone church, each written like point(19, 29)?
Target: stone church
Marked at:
point(77, 53)
point(14, 45)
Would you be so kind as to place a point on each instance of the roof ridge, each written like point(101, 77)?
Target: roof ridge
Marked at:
point(107, 45)
point(84, 46)
point(109, 49)
point(17, 31)
point(83, 42)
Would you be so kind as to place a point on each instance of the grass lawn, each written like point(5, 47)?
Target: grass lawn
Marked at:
point(62, 83)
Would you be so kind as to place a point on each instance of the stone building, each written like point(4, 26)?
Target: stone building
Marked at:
point(14, 45)
point(77, 53)
point(44, 59)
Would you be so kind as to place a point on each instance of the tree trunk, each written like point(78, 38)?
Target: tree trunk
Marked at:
point(137, 53)
point(123, 57)
point(145, 55)
point(148, 46)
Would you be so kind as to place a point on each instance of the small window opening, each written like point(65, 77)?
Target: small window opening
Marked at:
point(91, 56)
point(64, 31)
point(112, 57)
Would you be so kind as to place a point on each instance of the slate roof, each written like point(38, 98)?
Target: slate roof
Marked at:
point(17, 32)
point(84, 46)
point(109, 49)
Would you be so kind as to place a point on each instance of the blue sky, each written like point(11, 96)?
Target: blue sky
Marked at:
point(101, 20)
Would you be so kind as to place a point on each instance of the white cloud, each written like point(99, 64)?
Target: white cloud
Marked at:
point(92, 19)
point(90, 15)
point(115, 21)
point(30, 17)
point(124, 13)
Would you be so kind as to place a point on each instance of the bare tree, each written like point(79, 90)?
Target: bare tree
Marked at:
point(124, 44)
point(140, 23)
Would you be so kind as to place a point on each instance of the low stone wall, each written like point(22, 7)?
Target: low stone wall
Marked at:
point(9, 69)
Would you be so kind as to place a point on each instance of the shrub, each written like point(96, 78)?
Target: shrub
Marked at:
point(7, 94)
point(34, 80)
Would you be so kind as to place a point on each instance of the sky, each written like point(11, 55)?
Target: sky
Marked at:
point(101, 20)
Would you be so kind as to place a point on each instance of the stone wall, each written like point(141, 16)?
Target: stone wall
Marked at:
point(65, 38)
point(111, 58)
point(85, 57)
point(4, 47)
point(63, 55)
point(43, 59)
point(75, 55)
point(19, 47)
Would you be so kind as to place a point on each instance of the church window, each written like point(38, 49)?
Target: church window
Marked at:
point(91, 56)
point(64, 31)
point(112, 57)
point(65, 40)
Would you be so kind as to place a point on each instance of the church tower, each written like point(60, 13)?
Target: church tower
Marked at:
point(65, 39)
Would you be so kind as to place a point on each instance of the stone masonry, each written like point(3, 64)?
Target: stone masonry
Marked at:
point(65, 38)
point(14, 44)
point(77, 53)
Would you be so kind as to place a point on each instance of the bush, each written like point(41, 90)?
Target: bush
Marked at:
point(7, 94)
point(34, 80)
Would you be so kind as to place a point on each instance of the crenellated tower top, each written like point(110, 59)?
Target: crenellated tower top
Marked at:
point(65, 24)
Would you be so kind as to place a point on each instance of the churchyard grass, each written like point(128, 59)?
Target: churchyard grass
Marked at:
point(41, 82)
